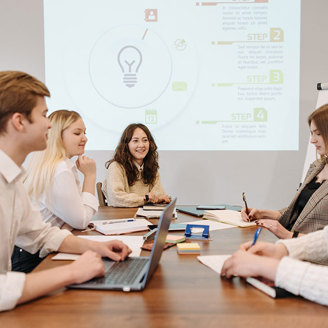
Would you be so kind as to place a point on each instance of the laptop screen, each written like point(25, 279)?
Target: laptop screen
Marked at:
point(160, 238)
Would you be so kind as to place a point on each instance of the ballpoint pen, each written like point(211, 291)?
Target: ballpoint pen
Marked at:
point(256, 236)
point(244, 199)
point(118, 221)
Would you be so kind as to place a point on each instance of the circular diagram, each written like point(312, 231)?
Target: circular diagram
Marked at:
point(130, 74)
point(130, 66)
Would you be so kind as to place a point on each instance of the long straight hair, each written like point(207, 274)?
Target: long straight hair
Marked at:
point(320, 118)
point(41, 165)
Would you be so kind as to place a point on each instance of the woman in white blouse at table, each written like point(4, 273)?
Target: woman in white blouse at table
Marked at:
point(52, 180)
point(53, 185)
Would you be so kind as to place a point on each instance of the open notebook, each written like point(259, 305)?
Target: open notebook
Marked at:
point(215, 262)
point(227, 216)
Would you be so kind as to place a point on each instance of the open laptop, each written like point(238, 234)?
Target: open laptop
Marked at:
point(134, 272)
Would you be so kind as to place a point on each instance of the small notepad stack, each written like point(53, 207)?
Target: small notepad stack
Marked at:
point(188, 248)
point(175, 239)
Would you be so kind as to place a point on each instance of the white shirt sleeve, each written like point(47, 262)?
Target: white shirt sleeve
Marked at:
point(70, 204)
point(23, 226)
point(34, 234)
point(11, 289)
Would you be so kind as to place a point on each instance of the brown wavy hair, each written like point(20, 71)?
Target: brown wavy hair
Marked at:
point(320, 118)
point(124, 157)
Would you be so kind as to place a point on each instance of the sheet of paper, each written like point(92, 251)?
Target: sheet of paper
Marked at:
point(148, 214)
point(152, 214)
point(215, 262)
point(66, 257)
point(134, 242)
point(214, 225)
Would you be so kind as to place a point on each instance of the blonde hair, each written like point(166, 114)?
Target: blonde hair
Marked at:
point(41, 165)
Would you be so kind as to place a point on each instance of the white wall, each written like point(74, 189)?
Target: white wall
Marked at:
point(268, 178)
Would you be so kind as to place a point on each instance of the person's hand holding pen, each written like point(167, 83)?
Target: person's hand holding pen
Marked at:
point(249, 261)
point(276, 251)
point(253, 214)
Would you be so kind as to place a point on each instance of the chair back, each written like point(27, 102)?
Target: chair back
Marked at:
point(101, 196)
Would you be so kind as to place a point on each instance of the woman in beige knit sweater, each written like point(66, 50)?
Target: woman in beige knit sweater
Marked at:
point(132, 177)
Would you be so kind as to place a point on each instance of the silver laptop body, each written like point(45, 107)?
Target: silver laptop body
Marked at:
point(134, 272)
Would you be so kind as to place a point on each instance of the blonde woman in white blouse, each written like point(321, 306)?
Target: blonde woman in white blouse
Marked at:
point(52, 178)
point(53, 185)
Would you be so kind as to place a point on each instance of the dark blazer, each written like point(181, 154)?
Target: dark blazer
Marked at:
point(315, 213)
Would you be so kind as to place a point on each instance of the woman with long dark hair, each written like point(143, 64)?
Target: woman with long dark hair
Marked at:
point(133, 177)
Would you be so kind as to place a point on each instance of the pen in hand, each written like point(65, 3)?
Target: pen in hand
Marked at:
point(256, 236)
point(245, 202)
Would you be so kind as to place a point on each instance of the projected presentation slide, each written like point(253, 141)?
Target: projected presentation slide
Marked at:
point(214, 75)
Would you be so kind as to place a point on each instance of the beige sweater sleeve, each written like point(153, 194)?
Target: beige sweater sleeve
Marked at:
point(301, 277)
point(116, 188)
point(158, 189)
point(304, 279)
point(312, 247)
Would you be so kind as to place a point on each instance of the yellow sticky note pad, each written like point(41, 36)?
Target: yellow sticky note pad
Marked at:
point(188, 248)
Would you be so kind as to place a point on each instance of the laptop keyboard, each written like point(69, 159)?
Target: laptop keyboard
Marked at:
point(121, 273)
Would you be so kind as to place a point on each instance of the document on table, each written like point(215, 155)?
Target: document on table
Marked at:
point(214, 225)
point(152, 214)
point(215, 262)
point(119, 227)
point(228, 217)
point(134, 242)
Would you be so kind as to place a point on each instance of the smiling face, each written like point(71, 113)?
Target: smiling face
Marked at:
point(139, 145)
point(74, 138)
point(317, 139)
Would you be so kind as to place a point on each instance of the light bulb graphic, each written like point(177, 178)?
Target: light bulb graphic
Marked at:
point(129, 58)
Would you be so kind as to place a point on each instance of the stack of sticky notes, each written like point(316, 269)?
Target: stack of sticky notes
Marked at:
point(174, 239)
point(188, 248)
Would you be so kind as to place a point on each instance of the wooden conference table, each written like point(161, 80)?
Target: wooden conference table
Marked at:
point(181, 293)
